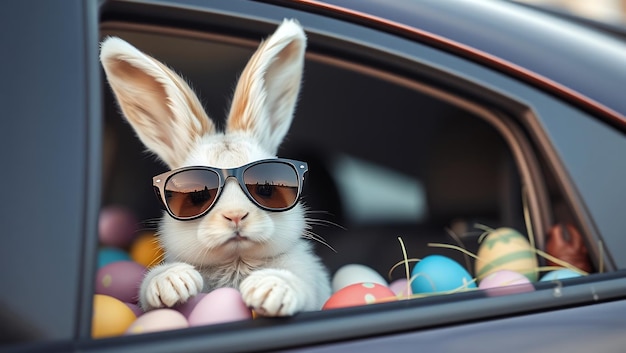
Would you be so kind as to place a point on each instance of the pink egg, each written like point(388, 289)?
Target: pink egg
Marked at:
point(117, 226)
point(359, 294)
point(401, 287)
point(219, 306)
point(187, 307)
point(121, 280)
point(158, 320)
point(504, 282)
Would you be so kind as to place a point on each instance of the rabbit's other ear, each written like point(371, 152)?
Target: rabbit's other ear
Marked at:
point(266, 94)
point(163, 110)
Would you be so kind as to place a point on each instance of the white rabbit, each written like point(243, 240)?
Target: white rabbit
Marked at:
point(236, 244)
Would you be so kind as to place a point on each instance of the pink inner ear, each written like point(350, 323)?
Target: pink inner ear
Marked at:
point(237, 117)
point(201, 123)
point(135, 83)
point(265, 97)
point(161, 107)
point(286, 55)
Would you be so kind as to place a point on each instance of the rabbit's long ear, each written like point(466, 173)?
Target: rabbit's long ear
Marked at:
point(266, 94)
point(165, 113)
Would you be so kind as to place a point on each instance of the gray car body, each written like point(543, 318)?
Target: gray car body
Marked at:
point(51, 155)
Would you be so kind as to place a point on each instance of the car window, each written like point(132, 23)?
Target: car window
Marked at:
point(400, 167)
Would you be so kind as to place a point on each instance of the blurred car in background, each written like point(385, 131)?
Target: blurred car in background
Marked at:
point(425, 121)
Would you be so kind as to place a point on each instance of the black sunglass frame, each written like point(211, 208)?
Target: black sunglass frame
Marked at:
point(159, 182)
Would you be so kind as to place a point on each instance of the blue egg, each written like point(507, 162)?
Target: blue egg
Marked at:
point(109, 254)
point(559, 274)
point(436, 274)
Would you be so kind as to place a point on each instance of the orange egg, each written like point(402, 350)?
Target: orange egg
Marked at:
point(359, 294)
point(146, 250)
point(111, 317)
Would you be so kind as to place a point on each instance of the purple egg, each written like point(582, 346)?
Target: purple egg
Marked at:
point(121, 280)
point(401, 287)
point(135, 308)
point(187, 307)
point(117, 226)
point(505, 282)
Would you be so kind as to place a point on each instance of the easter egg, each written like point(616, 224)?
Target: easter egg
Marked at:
point(116, 226)
point(359, 294)
point(355, 273)
point(121, 280)
point(146, 250)
point(219, 306)
point(109, 254)
point(135, 308)
point(438, 274)
point(564, 273)
point(505, 282)
point(506, 249)
point(111, 317)
point(187, 307)
point(158, 320)
point(502, 278)
point(401, 287)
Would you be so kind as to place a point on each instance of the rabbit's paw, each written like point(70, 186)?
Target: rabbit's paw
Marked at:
point(271, 292)
point(170, 284)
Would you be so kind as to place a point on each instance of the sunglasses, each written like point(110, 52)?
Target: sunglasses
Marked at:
point(190, 192)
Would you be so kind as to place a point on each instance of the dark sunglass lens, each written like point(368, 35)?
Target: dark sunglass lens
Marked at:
point(273, 185)
point(191, 192)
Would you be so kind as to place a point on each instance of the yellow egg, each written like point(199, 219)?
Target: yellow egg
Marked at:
point(146, 250)
point(111, 317)
point(506, 249)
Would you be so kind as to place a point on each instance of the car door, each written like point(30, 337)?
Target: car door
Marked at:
point(415, 147)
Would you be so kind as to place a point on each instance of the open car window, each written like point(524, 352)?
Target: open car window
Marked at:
point(404, 165)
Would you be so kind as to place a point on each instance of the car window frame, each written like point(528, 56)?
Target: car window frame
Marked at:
point(404, 73)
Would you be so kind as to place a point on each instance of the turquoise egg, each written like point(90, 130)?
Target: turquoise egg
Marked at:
point(437, 274)
point(559, 274)
point(109, 254)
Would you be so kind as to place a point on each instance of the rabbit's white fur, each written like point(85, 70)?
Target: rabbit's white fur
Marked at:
point(275, 268)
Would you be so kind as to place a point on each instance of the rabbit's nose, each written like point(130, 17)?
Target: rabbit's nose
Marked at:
point(235, 216)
